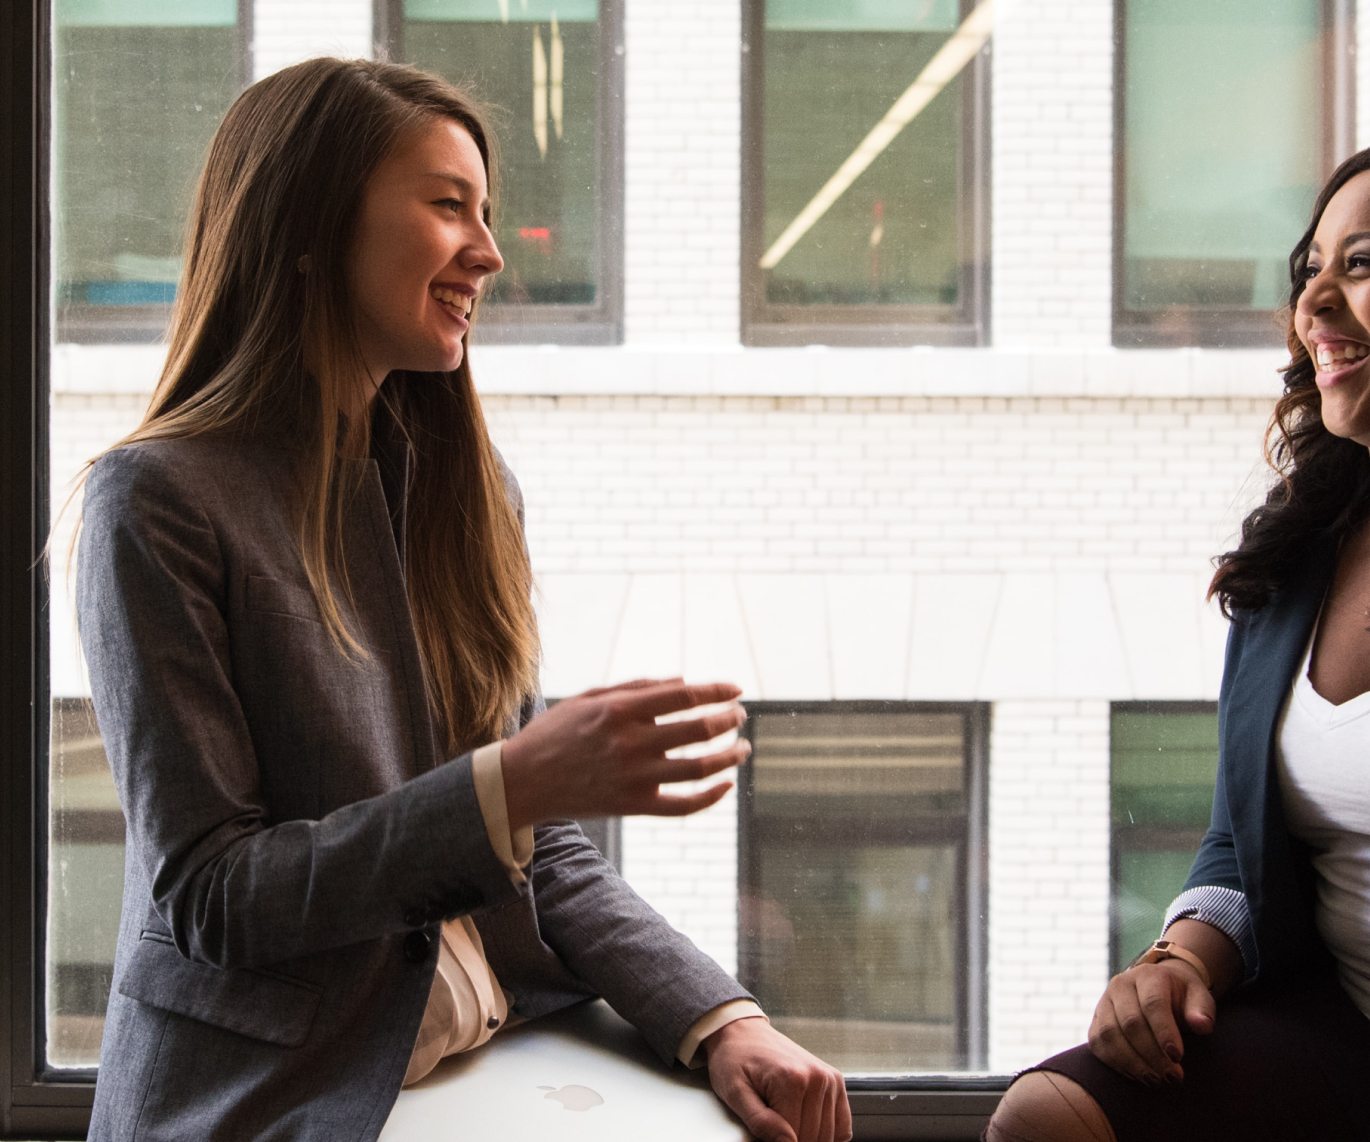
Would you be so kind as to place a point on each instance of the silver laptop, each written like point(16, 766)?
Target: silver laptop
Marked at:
point(583, 1073)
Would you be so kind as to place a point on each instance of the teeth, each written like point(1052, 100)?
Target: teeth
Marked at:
point(458, 301)
point(1332, 356)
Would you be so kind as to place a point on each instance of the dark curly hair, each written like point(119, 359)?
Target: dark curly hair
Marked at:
point(1324, 480)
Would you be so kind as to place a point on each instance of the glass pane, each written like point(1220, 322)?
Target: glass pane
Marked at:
point(852, 917)
point(138, 89)
point(1223, 149)
point(833, 71)
point(1163, 768)
point(538, 64)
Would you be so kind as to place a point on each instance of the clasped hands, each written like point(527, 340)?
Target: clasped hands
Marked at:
point(603, 753)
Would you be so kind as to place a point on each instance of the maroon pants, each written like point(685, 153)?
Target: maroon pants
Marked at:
point(1282, 1068)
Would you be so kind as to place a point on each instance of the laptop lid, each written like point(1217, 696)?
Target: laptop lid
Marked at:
point(581, 1074)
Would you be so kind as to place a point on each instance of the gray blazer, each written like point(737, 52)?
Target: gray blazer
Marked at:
point(295, 834)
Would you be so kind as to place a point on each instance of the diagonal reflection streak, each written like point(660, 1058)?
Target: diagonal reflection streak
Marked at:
point(945, 66)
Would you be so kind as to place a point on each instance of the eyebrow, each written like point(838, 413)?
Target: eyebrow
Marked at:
point(1358, 236)
point(463, 185)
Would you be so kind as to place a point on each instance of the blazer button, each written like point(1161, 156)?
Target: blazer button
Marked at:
point(415, 918)
point(416, 947)
point(492, 1022)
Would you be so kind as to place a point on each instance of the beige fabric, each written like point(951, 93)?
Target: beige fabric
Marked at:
point(710, 1022)
point(466, 998)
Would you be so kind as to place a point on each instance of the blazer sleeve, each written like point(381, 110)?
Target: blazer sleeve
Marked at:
point(235, 888)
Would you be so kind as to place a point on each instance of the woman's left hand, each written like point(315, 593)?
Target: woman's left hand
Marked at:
point(780, 1091)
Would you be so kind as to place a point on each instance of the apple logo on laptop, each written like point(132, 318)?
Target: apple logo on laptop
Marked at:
point(573, 1097)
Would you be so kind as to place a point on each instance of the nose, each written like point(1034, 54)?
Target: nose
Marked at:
point(1320, 293)
point(481, 254)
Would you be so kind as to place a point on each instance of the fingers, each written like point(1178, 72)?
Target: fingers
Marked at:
point(673, 735)
point(670, 770)
point(671, 697)
point(683, 804)
point(1136, 1029)
point(1200, 1008)
point(757, 1117)
point(842, 1123)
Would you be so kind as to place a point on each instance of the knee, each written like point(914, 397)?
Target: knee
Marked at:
point(1047, 1107)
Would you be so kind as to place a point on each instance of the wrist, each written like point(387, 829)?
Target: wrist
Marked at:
point(1168, 951)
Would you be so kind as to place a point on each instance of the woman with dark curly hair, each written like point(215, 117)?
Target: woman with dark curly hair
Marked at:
point(1248, 1019)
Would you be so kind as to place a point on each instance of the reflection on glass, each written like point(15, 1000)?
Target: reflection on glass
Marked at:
point(852, 918)
point(139, 87)
point(85, 885)
point(536, 62)
point(1223, 151)
point(832, 71)
point(1164, 763)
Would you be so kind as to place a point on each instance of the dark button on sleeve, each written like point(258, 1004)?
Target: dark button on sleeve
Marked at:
point(415, 917)
point(416, 947)
point(492, 1022)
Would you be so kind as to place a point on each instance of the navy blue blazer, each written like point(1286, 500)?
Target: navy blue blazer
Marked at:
point(1248, 846)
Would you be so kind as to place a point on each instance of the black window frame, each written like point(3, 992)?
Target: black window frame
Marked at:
point(766, 323)
point(601, 322)
point(85, 324)
point(1218, 327)
point(972, 951)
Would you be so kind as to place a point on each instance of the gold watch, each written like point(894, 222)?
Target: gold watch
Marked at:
point(1169, 950)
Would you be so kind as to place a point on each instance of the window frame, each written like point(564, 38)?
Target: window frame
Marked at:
point(769, 324)
point(972, 922)
point(601, 322)
point(85, 324)
point(1217, 327)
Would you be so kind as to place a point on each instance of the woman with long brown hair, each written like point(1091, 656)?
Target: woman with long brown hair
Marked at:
point(1250, 1018)
point(305, 601)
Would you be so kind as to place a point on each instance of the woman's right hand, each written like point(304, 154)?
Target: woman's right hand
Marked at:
point(603, 754)
point(1136, 1028)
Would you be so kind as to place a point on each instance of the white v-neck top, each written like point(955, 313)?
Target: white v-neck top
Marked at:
point(1323, 763)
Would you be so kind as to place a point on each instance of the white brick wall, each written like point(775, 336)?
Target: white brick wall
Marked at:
point(683, 123)
point(288, 31)
point(1048, 874)
point(1052, 141)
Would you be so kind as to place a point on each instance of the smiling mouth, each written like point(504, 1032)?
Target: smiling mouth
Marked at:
point(458, 303)
point(1333, 357)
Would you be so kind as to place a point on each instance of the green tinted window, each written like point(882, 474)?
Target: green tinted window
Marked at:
point(139, 88)
point(537, 63)
point(832, 71)
point(1163, 766)
point(1223, 149)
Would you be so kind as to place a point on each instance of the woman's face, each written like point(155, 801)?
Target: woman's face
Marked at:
point(421, 253)
point(1332, 318)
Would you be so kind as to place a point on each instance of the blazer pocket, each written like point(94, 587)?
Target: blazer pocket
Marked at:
point(269, 1007)
point(277, 597)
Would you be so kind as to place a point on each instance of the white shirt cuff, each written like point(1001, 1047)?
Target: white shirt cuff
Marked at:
point(710, 1022)
point(1223, 908)
point(514, 849)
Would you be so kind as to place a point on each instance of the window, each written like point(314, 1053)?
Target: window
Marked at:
point(1164, 762)
point(861, 896)
point(864, 173)
point(138, 88)
point(1228, 117)
point(552, 69)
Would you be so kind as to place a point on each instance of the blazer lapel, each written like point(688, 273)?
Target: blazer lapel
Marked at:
point(1274, 641)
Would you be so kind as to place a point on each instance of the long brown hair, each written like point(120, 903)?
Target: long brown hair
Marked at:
point(281, 190)
point(1323, 487)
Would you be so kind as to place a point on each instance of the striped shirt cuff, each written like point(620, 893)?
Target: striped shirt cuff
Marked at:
point(1222, 908)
